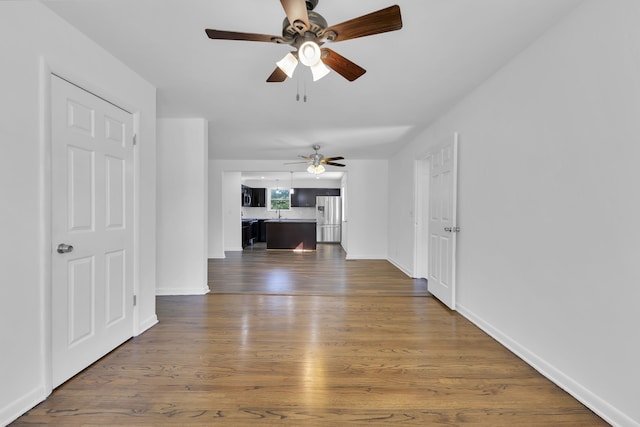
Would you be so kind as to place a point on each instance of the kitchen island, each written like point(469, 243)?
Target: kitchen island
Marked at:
point(291, 234)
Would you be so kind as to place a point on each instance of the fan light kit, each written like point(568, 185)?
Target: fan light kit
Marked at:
point(317, 162)
point(288, 64)
point(316, 170)
point(306, 31)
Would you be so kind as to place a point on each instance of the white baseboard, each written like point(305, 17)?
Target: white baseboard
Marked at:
point(364, 256)
point(18, 407)
point(400, 267)
point(605, 410)
point(217, 255)
point(182, 291)
point(147, 324)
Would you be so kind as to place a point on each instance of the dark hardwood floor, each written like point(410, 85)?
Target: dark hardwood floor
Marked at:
point(322, 272)
point(309, 339)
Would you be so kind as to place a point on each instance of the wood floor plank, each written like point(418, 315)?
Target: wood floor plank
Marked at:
point(322, 272)
point(366, 349)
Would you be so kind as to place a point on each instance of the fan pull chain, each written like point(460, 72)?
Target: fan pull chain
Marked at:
point(298, 89)
point(304, 88)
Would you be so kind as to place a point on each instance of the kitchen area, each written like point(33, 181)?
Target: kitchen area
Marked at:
point(274, 217)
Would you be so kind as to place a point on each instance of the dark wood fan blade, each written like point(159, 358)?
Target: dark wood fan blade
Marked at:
point(382, 21)
point(342, 65)
point(296, 11)
point(331, 159)
point(278, 76)
point(335, 164)
point(249, 37)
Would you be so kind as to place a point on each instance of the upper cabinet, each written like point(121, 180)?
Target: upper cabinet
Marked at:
point(258, 197)
point(300, 198)
point(253, 197)
point(306, 197)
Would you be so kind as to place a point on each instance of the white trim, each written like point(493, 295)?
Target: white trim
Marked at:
point(420, 247)
point(417, 213)
point(21, 405)
point(183, 291)
point(598, 405)
point(365, 256)
point(147, 324)
point(401, 268)
point(44, 136)
point(217, 256)
point(137, 328)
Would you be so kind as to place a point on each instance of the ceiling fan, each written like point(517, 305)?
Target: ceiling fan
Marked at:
point(306, 31)
point(317, 161)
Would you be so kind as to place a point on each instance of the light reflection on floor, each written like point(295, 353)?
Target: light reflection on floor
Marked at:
point(278, 281)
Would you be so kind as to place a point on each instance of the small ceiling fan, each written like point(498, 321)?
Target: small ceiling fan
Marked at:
point(306, 31)
point(317, 161)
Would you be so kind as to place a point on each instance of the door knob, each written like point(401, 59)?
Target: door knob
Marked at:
point(452, 229)
point(63, 248)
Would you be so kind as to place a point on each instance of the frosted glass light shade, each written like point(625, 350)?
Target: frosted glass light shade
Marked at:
point(319, 71)
point(309, 53)
point(316, 170)
point(288, 64)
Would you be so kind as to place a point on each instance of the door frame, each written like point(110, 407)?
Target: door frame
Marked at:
point(46, 70)
point(422, 168)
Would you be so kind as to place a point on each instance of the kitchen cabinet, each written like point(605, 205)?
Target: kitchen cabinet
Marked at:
point(258, 197)
point(253, 197)
point(306, 197)
point(249, 232)
point(262, 231)
point(292, 234)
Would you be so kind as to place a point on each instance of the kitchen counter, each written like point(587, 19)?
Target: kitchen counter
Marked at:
point(313, 221)
point(292, 234)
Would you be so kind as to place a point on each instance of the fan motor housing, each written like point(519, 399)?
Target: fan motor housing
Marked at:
point(317, 22)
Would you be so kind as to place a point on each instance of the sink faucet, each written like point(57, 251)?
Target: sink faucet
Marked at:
point(279, 216)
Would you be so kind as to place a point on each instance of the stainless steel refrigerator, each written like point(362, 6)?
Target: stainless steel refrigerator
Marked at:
point(328, 219)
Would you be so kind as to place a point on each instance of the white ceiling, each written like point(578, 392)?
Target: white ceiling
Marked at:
point(445, 49)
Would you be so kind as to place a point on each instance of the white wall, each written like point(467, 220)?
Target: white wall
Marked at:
point(215, 229)
point(34, 42)
point(367, 207)
point(231, 217)
point(297, 183)
point(368, 211)
point(345, 207)
point(549, 206)
point(182, 206)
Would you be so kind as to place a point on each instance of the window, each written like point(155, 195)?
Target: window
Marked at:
point(279, 199)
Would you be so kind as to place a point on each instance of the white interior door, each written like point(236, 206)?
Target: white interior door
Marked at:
point(442, 222)
point(92, 213)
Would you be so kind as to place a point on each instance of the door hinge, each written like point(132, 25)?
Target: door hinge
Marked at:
point(135, 300)
point(135, 139)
